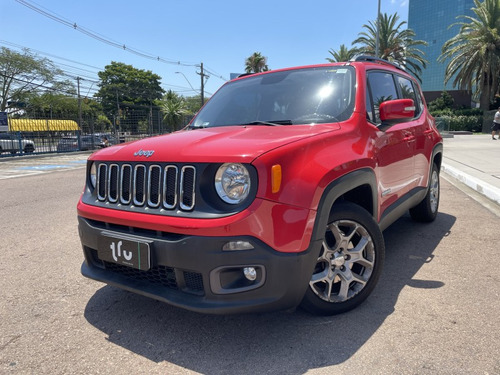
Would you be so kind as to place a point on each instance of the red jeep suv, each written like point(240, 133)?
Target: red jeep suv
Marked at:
point(274, 196)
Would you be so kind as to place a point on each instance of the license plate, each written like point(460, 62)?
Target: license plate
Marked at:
point(125, 251)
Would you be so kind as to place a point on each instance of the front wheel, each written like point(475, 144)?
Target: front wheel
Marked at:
point(349, 263)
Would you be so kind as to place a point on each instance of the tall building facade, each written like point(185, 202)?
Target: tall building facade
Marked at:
point(431, 21)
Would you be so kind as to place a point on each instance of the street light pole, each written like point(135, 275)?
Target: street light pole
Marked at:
point(189, 83)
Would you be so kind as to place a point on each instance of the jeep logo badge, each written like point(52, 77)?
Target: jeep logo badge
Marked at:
point(146, 153)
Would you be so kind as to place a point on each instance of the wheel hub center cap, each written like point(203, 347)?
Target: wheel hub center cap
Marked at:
point(338, 261)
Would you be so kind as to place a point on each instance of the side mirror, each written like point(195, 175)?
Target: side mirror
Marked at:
point(394, 111)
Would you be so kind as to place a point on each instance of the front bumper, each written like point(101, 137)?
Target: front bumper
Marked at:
point(193, 272)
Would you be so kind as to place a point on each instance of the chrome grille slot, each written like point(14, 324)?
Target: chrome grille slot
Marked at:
point(146, 186)
point(102, 173)
point(170, 187)
point(113, 183)
point(154, 186)
point(187, 188)
point(139, 185)
point(126, 184)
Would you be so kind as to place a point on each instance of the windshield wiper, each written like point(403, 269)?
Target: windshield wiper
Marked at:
point(270, 123)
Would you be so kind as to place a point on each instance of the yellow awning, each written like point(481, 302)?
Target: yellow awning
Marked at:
point(32, 125)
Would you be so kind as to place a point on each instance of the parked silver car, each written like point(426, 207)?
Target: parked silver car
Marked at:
point(87, 142)
point(13, 144)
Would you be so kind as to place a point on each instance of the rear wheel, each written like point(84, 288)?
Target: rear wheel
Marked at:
point(349, 264)
point(29, 149)
point(427, 209)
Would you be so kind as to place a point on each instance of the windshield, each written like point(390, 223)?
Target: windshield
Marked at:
point(301, 96)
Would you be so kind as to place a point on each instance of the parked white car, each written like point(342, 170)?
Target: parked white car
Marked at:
point(11, 143)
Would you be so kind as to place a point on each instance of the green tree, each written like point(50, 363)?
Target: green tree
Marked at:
point(395, 43)
point(474, 52)
point(256, 63)
point(128, 93)
point(445, 101)
point(25, 74)
point(343, 54)
point(102, 124)
point(193, 104)
point(54, 105)
point(174, 109)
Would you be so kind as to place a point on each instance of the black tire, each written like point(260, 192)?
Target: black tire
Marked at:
point(349, 263)
point(427, 210)
point(28, 149)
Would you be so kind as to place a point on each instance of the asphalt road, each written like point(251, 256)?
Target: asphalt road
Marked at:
point(434, 311)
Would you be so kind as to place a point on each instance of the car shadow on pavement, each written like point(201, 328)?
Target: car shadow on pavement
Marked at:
point(279, 342)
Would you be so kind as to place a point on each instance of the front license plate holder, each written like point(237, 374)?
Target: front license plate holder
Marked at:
point(126, 251)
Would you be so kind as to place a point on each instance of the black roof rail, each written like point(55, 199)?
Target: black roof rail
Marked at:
point(370, 58)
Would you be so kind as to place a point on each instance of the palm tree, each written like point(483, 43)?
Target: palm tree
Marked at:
point(256, 63)
point(343, 54)
point(395, 44)
point(174, 109)
point(474, 52)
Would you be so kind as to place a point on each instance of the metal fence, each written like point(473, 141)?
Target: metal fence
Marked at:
point(35, 133)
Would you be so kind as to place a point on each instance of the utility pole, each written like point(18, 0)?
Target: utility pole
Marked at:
point(79, 103)
point(79, 111)
point(203, 75)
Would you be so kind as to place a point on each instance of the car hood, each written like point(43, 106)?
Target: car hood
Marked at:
point(212, 145)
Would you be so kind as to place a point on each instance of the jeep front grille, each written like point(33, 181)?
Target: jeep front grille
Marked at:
point(148, 186)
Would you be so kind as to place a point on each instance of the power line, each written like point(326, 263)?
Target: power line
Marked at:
point(73, 75)
point(47, 13)
point(97, 36)
point(18, 46)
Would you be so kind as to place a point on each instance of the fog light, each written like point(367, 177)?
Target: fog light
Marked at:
point(250, 273)
point(237, 245)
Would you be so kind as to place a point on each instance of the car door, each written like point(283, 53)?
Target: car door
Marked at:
point(7, 142)
point(394, 146)
point(421, 129)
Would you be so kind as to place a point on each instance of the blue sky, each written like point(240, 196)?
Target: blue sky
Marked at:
point(219, 33)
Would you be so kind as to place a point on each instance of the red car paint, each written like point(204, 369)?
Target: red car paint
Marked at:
point(317, 156)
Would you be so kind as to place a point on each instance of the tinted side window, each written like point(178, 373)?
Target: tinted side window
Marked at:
point(408, 92)
point(382, 88)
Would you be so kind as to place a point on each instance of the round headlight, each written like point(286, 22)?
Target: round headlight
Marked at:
point(232, 182)
point(93, 175)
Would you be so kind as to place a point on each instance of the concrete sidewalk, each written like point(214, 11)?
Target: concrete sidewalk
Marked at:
point(474, 160)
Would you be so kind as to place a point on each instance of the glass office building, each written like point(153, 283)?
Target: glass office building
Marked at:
point(431, 20)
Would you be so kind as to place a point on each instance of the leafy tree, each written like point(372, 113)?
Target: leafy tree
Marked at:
point(395, 44)
point(193, 104)
point(474, 52)
point(128, 93)
point(343, 54)
point(54, 105)
point(445, 101)
point(102, 124)
point(174, 109)
point(256, 63)
point(23, 74)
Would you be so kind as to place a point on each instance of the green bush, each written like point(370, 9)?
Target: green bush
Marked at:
point(468, 112)
point(460, 123)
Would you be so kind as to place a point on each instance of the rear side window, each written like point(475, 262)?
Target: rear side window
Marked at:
point(408, 92)
point(384, 86)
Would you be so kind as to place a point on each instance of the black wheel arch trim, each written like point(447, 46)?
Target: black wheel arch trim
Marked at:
point(336, 189)
point(437, 150)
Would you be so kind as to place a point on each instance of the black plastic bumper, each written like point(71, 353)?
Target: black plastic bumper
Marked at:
point(194, 272)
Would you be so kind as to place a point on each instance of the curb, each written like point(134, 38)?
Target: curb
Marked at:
point(483, 188)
